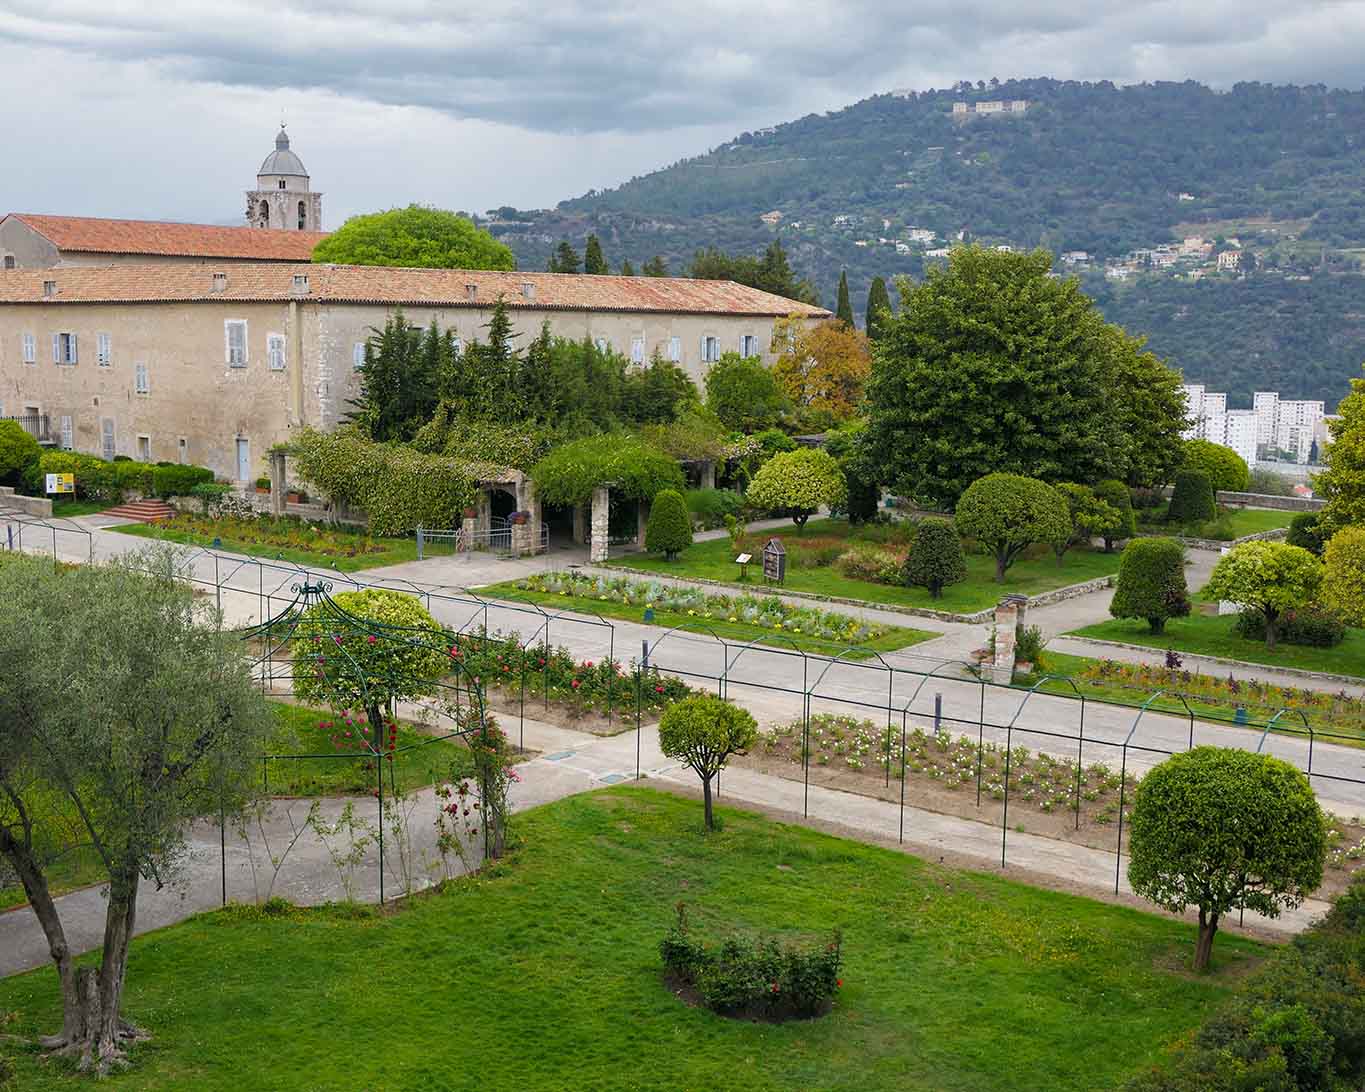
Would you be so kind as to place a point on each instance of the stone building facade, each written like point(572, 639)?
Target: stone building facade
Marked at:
point(282, 198)
point(213, 363)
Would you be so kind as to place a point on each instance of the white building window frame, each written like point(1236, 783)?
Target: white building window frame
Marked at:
point(603, 344)
point(357, 356)
point(29, 348)
point(108, 438)
point(67, 433)
point(275, 351)
point(142, 381)
point(143, 446)
point(182, 450)
point(104, 350)
point(748, 345)
point(236, 355)
point(637, 349)
point(65, 349)
point(710, 349)
point(675, 354)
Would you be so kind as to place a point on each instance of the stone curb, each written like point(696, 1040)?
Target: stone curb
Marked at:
point(1056, 595)
point(1296, 672)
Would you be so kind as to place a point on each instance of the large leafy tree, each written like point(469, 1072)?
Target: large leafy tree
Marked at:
point(127, 713)
point(1008, 513)
point(1268, 577)
point(1222, 830)
point(744, 393)
point(993, 365)
point(1150, 405)
point(1343, 585)
point(878, 307)
point(1225, 469)
point(418, 236)
point(822, 367)
point(1342, 484)
point(655, 393)
point(704, 732)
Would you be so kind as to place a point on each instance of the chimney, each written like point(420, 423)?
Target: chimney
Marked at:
point(528, 290)
point(49, 288)
point(220, 282)
point(471, 292)
point(300, 287)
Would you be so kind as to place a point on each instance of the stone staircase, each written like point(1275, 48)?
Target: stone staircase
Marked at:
point(145, 511)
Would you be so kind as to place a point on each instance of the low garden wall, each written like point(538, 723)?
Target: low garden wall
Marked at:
point(1260, 500)
point(33, 506)
point(1217, 544)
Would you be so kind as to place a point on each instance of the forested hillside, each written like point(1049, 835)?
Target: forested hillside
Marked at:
point(1088, 167)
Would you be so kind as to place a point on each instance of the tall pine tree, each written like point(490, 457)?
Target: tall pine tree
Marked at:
point(593, 262)
point(878, 307)
point(627, 270)
point(843, 310)
point(656, 267)
point(564, 259)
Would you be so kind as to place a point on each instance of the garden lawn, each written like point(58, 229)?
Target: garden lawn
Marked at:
point(394, 550)
point(544, 974)
point(895, 637)
point(714, 560)
point(1211, 635)
point(1251, 521)
point(72, 507)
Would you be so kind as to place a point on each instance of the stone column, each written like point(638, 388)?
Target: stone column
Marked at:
point(641, 519)
point(708, 474)
point(483, 506)
point(529, 502)
point(580, 525)
point(278, 483)
point(1008, 614)
point(598, 549)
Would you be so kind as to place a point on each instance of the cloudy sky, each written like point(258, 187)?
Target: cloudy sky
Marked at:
point(121, 108)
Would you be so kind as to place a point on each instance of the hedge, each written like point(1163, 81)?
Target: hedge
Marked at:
point(632, 468)
point(1192, 499)
point(110, 481)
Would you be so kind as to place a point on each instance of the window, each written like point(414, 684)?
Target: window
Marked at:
point(144, 449)
point(265, 214)
point(458, 343)
point(303, 216)
point(748, 345)
point(281, 183)
point(274, 347)
point(603, 345)
point(9, 261)
point(710, 350)
point(63, 348)
point(182, 451)
point(358, 355)
point(235, 332)
point(107, 439)
point(675, 350)
point(140, 382)
point(104, 350)
point(30, 349)
point(637, 350)
point(66, 434)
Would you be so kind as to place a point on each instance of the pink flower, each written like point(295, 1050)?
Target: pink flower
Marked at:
point(587, 663)
point(575, 684)
point(371, 638)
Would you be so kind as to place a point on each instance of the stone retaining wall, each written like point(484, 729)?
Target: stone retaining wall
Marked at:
point(33, 506)
point(1216, 544)
point(1261, 500)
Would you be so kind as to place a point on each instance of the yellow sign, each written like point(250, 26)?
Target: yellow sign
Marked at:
point(61, 483)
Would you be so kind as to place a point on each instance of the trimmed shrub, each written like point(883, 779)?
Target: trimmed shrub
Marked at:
point(1305, 530)
point(669, 530)
point(709, 507)
point(798, 483)
point(864, 494)
point(1313, 625)
point(18, 452)
point(1116, 495)
point(1192, 499)
point(1343, 585)
point(179, 481)
point(773, 441)
point(870, 563)
point(1151, 582)
point(211, 495)
point(935, 559)
point(1225, 469)
point(95, 478)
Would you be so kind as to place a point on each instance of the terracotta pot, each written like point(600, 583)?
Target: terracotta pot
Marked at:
point(263, 492)
point(293, 498)
point(469, 513)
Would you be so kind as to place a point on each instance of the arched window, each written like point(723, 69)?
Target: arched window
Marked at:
point(281, 183)
point(303, 216)
point(265, 214)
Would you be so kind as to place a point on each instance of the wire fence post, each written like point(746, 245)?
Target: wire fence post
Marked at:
point(1005, 812)
point(980, 739)
point(1080, 762)
point(1123, 785)
point(886, 755)
point(901, 832)
point(419, 542)
point(639, 696)
point(379, 794)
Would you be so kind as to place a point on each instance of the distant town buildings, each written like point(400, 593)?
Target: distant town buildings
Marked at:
point(995, 107)
point(772, 218)
point(1272, 429)
point(1230, 261)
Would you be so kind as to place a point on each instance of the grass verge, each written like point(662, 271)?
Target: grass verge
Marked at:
point(953, 981)
point(395, 551)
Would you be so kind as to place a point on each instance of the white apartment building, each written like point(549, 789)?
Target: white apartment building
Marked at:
point(1286, 424)
point(1239, 433)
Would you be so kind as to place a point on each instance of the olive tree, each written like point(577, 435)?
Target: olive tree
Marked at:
point(1268, 577)
point(798, 482)
point(1222, 829)
point(1115, 494)
point(704, 732)
point(1088, 516)
point(1008, 513)
point(127, 713)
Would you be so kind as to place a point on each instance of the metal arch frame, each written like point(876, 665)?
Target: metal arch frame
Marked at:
point(890, 690)
point(1306, 727)
point(15, 517)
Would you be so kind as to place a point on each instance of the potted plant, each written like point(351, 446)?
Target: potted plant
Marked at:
point(262, 485)
point(519, 518)
point(469, 512)
point(293, 495)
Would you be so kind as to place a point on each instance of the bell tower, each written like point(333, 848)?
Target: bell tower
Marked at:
point(282, 198)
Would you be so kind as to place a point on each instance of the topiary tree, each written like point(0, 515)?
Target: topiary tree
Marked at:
point(1223, 829)
point(1343, 585)
point(704, 732)
point(1226, 470)
point(935, 559)
point(1192, 499)
point(1008, 513)
point(798, 482)
point(1151, 582)
point(417, 236)
point(864, 491)
point(1089, 516)
point(1115, 494)
point(18, 452)
point(1305, 530)
point(1269, 577)
point(669, 529)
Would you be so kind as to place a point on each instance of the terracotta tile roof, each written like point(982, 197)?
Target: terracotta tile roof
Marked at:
point(92, 235)
point(266, 282)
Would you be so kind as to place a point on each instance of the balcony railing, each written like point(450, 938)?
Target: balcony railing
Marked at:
point(36, 425)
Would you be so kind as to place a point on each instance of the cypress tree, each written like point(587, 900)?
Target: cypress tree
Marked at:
point(593, 262)
point(1192, 499)
point(565, 258)
point(656, 267)
point(878, 307)
point(843, 310)
point(627, 270)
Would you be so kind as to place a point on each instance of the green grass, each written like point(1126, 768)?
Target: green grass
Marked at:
point(1212, 636)
point(714, 560)
point(894, 638)
point(1251, 521)
point(395, 552)
point(73, 507)
point(544, 974)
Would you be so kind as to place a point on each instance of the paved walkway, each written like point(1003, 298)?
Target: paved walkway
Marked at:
point(568, 762)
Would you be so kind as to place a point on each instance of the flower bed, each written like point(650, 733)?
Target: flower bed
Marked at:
point(765, 611)
point(266, 534)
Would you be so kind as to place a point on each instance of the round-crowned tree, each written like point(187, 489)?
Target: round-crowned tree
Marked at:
point(1008, 513)
point(1192, 499)
point(1115, 494)
point(1223, 829)
point(669, 530)
point(1226, 470)
point(18, 452)
point(1343, 585)
point(704, 732)
point(798, 482)
point(1151, 582)
point(935, 559)
point(1268, 577)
